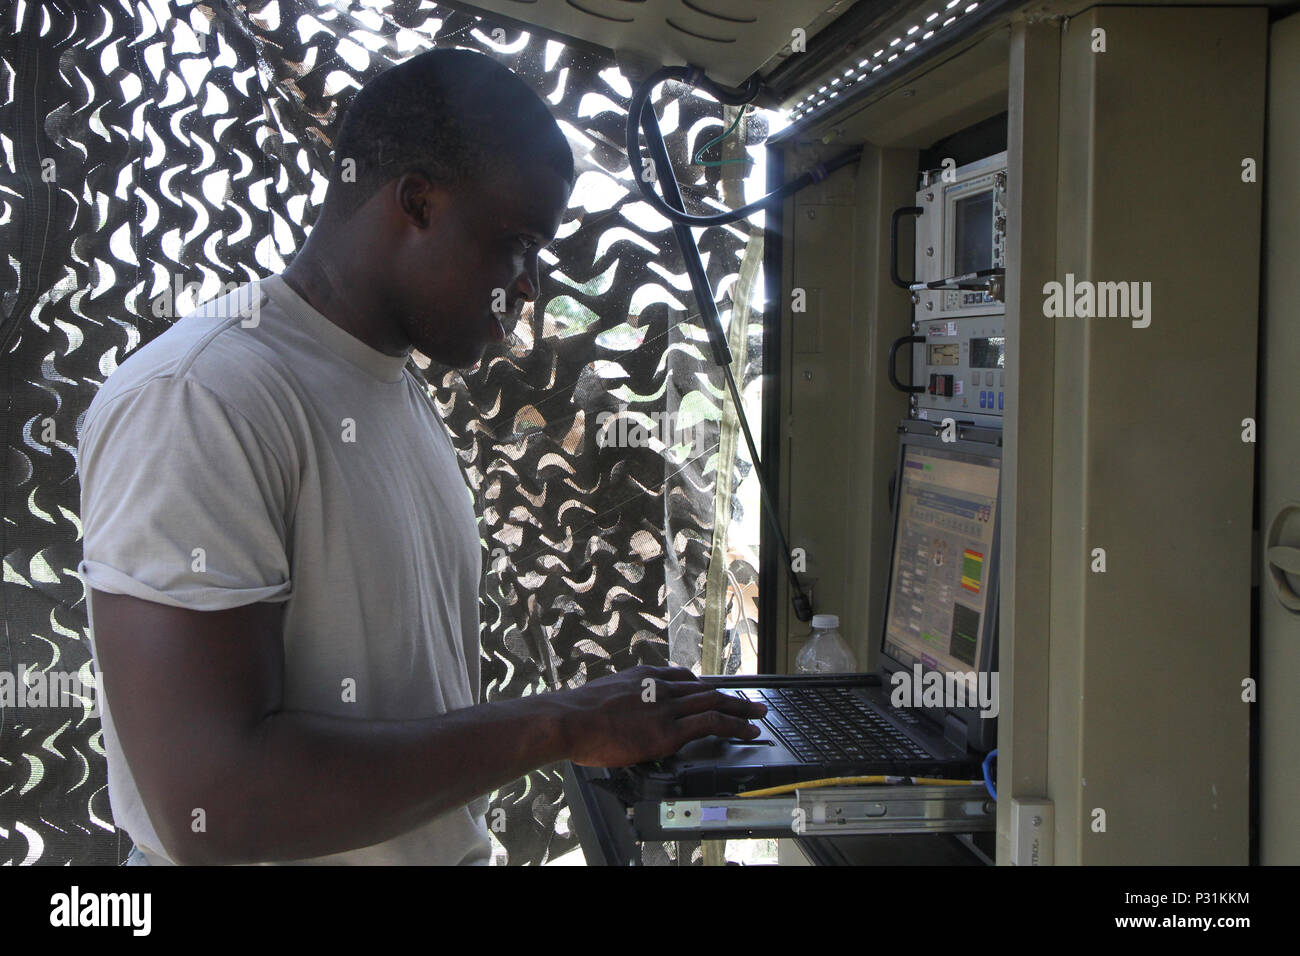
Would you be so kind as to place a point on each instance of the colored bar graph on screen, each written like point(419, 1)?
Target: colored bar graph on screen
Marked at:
point(972, 570)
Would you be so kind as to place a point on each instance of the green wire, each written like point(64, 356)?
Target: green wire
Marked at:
point(713, 142)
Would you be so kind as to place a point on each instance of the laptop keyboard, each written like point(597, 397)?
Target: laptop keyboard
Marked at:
point(831, 724)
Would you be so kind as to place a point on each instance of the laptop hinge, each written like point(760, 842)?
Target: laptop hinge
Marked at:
point(956, 732)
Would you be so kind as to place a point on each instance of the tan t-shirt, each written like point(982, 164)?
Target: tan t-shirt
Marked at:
point(264, 454)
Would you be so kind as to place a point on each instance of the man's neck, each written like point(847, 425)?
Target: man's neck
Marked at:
point(324, 283)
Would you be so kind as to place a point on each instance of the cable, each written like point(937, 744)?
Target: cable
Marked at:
point(988, 777)
point(730, 96)
point(740, 603)
point(712, 324)
point(851, 781)
point(700, 161)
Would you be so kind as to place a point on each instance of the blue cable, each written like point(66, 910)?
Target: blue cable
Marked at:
point(988, 777)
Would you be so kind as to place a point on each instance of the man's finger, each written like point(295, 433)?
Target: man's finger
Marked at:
point(684, 688)
point(673, 673)
point(707, 699)
point(693, 726)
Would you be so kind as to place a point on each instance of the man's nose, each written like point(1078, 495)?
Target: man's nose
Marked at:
point(529, 282)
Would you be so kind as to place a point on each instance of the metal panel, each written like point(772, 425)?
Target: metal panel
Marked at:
point(1147, 725)
point(1279, 450)
point(729, 38)
point(1023, 657)
point(836, 458)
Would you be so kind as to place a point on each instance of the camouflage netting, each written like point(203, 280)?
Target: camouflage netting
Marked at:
point(149, 146)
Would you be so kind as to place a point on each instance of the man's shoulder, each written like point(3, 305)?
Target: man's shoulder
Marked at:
point(214, 348)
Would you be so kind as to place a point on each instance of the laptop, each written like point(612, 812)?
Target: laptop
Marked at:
point(930, 709)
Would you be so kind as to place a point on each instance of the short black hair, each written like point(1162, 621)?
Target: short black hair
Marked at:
point(456, 115)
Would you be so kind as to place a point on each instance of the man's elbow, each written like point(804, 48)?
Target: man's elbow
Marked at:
point(196, 829)
point(186, 851)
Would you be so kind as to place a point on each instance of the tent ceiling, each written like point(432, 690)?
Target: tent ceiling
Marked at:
point(731, 39)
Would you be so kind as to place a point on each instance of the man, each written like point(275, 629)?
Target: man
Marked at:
point(281, 553)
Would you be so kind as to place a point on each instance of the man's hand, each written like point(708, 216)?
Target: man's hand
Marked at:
point(647, 713)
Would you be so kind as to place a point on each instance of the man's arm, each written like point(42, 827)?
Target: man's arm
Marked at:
point(196, 701)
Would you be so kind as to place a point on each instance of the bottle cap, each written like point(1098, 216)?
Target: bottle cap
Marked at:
point(825, 622)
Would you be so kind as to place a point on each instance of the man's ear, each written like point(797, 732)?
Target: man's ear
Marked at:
point(418, 200)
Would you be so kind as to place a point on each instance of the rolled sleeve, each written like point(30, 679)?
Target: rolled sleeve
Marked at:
point(182, 502)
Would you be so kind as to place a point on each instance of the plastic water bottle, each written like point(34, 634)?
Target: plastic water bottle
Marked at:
point(826, 651)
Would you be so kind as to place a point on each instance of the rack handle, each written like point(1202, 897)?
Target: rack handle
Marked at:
point(893, 354)
point(898, 214)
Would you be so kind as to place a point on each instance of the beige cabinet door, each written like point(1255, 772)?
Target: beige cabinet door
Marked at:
point(1279, 459)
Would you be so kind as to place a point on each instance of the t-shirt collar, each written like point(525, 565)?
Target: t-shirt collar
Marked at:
point(381, 365)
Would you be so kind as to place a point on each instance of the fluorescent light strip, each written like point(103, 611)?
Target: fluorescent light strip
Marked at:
point(807, 106)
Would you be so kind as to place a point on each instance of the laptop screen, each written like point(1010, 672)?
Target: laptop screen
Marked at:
point(941, 591)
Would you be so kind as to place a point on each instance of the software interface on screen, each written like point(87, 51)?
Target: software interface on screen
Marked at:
point(943, 553)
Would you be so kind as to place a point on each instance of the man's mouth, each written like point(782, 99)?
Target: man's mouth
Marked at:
point(500, 324)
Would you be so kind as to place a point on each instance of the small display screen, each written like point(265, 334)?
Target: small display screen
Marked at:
point(973, 233)
point(988, 353)
point(949, 354)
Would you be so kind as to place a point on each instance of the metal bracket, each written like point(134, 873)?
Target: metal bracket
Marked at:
point(832, 811)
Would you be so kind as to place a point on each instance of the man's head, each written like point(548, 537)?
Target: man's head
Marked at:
point(449, 176)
